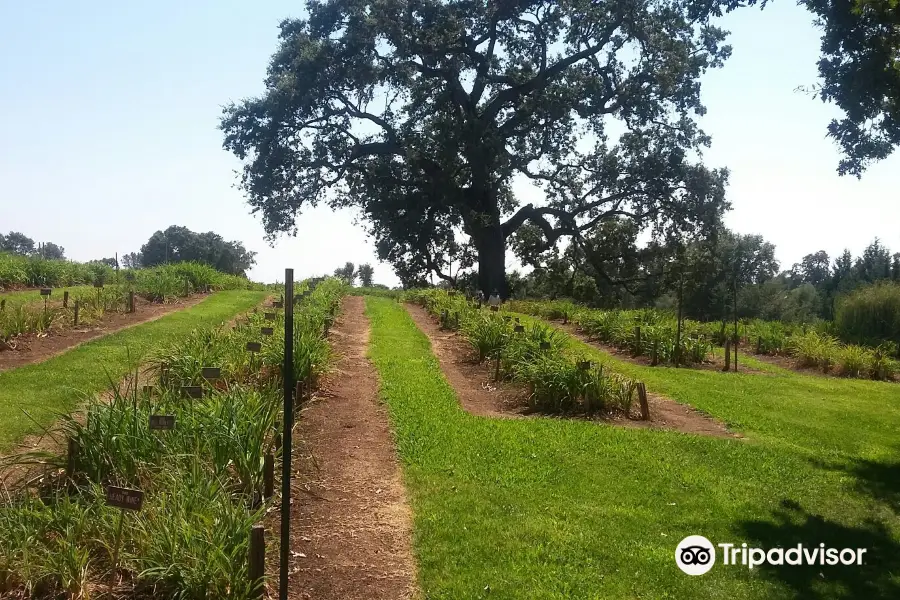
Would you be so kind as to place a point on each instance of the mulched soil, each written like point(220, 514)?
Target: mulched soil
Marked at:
point(30, 349)
point(479, 394)
point(351, 525)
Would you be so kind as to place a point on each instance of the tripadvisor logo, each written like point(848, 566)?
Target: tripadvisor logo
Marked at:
point(696, 555)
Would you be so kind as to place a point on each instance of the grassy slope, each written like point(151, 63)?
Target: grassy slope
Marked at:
point(54, 386)
point(546, 508)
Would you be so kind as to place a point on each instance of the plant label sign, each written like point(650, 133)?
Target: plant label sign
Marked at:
point(520, 329)
point(162, 422)
point(495, 308)
point(278, 304)
point(270, 316)
point(211, 373)
point(98, 285)
point(507, 318)
point(254, 346)
point(192, 391)
point(148, 390)
point(267, 331)
point(124, 498)
point(585, 365)
point(545, 345)
point(46, 291)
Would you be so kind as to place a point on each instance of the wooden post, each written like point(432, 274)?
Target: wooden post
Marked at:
point(727, 355)
point(257, 560)
point(654, 357)
point(642, 398)
point(637, 341)
point(66, 299)
point(2, 304)
point(759, 345)
point(735, 352)
point(269, 475)
point(77, 306)
point(277, 440)
point(131, 302)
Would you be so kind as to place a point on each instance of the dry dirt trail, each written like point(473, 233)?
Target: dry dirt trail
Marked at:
point(350, 524)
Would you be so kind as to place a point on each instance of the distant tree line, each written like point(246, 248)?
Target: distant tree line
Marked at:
point(175, 244)
point(349, 273)
point(16, 242)
point(723, 275)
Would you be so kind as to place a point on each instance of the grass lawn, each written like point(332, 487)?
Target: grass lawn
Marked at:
point(28, 296)
point(36, 394)
point(550, 508)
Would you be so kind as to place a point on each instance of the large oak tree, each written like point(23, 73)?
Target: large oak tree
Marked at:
point(421, 113)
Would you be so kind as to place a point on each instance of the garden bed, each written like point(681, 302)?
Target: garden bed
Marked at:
point(480, 394)
point(33, 348)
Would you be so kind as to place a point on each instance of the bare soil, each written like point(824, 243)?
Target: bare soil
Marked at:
point(350, 522)
point(30, 349)
point(480, 395)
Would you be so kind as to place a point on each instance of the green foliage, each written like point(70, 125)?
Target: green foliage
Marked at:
point(535, 356)
point(180, 244)
point(200, 480)
point(528, 505)
point(870, 315)
point(440, 155)
point(165, 283)
point(860, 73)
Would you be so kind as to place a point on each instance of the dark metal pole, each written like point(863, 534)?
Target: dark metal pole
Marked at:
point(288, 420)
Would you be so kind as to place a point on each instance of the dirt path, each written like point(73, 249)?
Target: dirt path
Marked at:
point(480, 395)
point(32, 349)
point(351, 525)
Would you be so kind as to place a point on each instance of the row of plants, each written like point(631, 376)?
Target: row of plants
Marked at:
point(533, 354)
point(643, 332)
point(652, 333)
point(203, 480)
point(31, 314)
point(18, 271)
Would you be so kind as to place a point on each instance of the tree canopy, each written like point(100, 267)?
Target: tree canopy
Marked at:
point(16, 243)
point(180, 244)
point(422, 114)
point(860, 73)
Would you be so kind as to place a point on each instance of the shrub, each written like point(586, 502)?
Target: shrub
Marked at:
point(816, 350)
point(869, 315)
point(853, 361)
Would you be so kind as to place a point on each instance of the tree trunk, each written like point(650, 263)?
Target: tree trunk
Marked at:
point(491, 245)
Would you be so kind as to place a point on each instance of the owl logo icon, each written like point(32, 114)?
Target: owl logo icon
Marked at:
point(695, 555)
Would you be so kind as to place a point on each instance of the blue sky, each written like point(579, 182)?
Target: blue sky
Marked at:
point(109, 113)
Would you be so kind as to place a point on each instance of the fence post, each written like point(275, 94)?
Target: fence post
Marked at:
point(77, 307)
point(288, 422)
point(727, 355)
point(642, 397)
point(66, 299)
point(637, 341)
point(2, 304)
point(131, 302)
point(735, 353)
point(257, 560)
